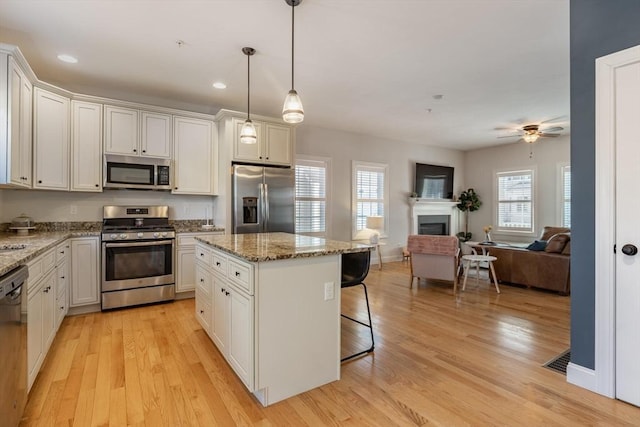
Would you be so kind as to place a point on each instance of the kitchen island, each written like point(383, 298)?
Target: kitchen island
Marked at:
point(271, 304)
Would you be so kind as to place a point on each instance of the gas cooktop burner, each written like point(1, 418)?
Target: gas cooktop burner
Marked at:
point(136, 223)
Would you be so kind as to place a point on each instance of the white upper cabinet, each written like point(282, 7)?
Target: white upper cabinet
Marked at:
point(156, 135)
point(194, 154)
point(247, 152)
point(120, 130)
point(274, 144)
point(51, 141)
point(136, 133)
point(15, 124)
point(278, 148)
point(86, 146)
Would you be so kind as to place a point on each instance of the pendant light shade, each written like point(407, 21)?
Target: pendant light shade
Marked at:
point(292, 111)
point(248, 134)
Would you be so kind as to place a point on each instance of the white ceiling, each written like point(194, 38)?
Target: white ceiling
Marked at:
point(365, 66)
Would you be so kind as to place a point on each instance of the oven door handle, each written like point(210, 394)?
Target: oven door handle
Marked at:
point(131, 244)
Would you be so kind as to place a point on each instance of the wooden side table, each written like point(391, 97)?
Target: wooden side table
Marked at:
point(477, 259)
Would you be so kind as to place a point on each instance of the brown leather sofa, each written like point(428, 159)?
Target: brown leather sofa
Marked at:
point(546, 269)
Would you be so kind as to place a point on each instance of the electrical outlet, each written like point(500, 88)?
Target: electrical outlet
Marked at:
point(73, 210)
point(329, 292)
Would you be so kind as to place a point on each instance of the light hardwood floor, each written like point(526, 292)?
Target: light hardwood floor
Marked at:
point(471, 359)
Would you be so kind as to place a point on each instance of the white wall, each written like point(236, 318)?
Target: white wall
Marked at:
point(343, 147)
point(51, 206)
point(480, 168)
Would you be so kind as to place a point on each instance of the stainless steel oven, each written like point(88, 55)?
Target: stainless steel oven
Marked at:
point(138, 256)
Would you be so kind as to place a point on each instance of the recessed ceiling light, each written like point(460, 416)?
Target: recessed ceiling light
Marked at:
point(67, 58)
point(219, 85)
point(438, 96)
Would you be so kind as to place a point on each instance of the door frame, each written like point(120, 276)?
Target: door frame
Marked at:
point(602, 378)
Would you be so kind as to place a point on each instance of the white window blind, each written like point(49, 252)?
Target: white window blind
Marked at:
point(566, 196)
point(311, 196)
point(515, 201)
point(370, 189)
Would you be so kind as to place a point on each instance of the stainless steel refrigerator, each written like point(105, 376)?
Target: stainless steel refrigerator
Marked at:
point(263, 199)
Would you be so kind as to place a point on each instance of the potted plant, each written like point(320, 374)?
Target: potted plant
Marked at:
point(468, 201)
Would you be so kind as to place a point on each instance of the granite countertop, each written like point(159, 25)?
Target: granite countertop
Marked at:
point(260, 247)
point(35, 244)
point(194, 226)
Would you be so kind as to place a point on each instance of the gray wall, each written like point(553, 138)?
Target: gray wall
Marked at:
point(482, 164)
point(344, 147)
point(598, 28)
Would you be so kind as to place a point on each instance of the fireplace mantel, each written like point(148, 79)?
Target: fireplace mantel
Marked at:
point(434, 207)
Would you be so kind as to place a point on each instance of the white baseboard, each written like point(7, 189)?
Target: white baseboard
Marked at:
point(582, 377)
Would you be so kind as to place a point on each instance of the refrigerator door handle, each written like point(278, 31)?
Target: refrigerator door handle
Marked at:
point(266, 205)
point(261, 202)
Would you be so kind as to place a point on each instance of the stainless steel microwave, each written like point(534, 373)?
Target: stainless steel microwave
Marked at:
point(141, 173)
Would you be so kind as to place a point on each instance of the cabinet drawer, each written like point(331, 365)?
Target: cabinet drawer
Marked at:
point(41, 266)
point(203, 280)
point(219, 263)
point(241, 274)
point(62, 252)
point(203, 311)
point(203, 255)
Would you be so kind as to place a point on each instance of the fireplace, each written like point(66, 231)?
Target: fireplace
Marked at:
point(434, 217)
point(437, 225)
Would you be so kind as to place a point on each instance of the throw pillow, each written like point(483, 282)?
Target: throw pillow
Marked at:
point(548, 232)
point(557, 243)
point(538, 245)
point(567, 248)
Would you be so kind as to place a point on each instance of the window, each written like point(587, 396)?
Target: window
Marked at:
point(311, 195)
point(565, 194)
point(515, 201)
point(370, 195)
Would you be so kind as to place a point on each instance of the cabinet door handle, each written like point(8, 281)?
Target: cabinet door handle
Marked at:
point(237, 273)
point(144, 151)
point(39, 181)
point(222, 290)
point(201, 254)
point(135, 151)
point(201, 311)
point(62, 277)
point(217, 264)
point(227, 293)
point(97, 185)
point(201, 280)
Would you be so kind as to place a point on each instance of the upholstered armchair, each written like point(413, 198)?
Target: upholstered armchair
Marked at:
point(434, 257)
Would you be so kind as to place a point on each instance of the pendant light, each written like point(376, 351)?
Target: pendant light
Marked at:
point(292, 111)
point(248, 133)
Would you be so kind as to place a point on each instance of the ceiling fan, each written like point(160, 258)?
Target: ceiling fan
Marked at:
point(531, 133)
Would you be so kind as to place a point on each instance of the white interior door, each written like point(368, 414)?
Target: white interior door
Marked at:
point(626, 108)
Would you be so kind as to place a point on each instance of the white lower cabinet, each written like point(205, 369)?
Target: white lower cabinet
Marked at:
point(41, 313)
point(85, 271)
point(231, 323)
point(240, 335)
point(186, 260)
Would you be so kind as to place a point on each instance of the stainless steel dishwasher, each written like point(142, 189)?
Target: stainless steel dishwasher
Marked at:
point(13, 346)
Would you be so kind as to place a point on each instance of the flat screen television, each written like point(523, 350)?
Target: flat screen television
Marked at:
point(434, 182)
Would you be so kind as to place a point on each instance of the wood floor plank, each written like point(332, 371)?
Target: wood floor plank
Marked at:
point(474, 358)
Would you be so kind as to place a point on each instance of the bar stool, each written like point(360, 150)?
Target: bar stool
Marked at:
point(355, 267)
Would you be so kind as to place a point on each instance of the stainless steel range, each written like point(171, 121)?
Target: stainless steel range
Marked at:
point(138, 262)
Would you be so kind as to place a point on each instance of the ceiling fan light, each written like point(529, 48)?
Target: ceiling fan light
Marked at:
point(248, 134)
point(530, 137)
point(292, 111)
